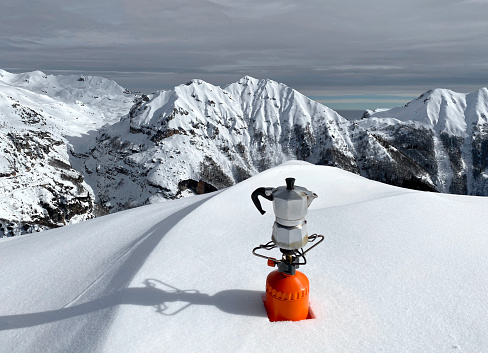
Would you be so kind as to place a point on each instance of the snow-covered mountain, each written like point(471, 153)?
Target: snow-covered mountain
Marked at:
point(445, 133)
point(43, 118)
point(75, 147)
point(173, 140)
point(399, 271)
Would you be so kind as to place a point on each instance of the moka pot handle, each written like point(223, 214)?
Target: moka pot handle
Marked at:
point(261, 192)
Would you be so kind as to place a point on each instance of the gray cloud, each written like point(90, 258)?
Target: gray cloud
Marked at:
point(317, 47)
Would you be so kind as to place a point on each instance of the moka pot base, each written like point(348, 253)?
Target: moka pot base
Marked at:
point(290, 238)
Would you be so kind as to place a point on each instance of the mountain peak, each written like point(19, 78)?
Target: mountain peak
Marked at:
point(246, 80)
point(195, 81)
point(437, 93)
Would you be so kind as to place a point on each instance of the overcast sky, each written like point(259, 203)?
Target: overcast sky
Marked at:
point(344, 51)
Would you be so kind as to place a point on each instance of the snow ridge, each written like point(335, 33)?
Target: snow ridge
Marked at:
point(400, 271)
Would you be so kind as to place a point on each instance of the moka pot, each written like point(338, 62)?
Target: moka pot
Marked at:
point(290, 205)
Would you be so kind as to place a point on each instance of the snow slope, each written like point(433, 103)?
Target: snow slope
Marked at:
point(400, 271)
point(93, 100)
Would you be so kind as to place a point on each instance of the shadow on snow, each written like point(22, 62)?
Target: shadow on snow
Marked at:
point(113, 290)
point(233, 301)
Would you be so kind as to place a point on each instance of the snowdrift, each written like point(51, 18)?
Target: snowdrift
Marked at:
point(399, 271)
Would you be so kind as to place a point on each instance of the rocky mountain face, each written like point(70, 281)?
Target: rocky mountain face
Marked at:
point(444, 133)
point(43, 119)
point(75, 147)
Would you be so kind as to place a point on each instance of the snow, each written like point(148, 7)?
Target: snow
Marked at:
point(43, 118)
point(199, 131)
point(5, 167)
point(134, 149)
point(73, 106)
point(441, 110)
point(399, 271)
point(454, 119)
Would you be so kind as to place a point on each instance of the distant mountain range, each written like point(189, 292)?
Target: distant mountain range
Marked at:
point(75, 147)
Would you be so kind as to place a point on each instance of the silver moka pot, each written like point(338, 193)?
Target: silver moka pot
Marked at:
point(290, 204)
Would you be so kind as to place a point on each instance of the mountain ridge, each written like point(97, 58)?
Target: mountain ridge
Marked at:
point(114, 149)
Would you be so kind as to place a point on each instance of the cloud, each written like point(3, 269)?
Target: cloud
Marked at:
point(255, 9)
point(311, 45)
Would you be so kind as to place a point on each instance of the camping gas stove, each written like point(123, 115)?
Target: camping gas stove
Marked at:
point(286, 288)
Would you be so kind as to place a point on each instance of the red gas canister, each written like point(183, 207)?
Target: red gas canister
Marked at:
point(287, 296)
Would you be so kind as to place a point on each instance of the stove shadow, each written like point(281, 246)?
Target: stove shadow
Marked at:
point(160, 295)
point(166, 299)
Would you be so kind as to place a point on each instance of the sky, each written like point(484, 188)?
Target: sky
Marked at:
point(347, 54)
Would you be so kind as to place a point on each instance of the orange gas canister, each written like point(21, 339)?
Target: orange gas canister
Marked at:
point(287, 296)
